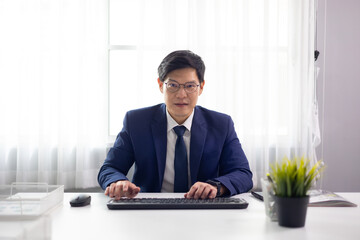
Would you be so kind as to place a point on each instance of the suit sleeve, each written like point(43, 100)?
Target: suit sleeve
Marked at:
point(119, 159)
point(234, 170)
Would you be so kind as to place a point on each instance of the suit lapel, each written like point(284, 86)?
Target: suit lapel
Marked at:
point(198, 135)
point(159, 133)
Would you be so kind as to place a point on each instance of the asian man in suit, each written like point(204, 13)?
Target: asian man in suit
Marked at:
point(177, 146)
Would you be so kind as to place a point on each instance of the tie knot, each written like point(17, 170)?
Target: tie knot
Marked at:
point(179, 130)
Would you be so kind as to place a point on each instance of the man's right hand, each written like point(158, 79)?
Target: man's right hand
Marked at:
point(122, 188)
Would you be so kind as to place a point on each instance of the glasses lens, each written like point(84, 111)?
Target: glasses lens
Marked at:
point(190, 87)
point(172, 86)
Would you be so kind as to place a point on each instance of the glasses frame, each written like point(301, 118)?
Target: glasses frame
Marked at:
point(179, 86)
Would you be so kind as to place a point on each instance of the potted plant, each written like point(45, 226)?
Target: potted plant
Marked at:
point(291, 180)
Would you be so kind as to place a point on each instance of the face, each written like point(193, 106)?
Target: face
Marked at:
point(180, 104)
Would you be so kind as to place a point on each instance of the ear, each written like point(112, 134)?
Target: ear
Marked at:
point(161, 84)
point(201, 87)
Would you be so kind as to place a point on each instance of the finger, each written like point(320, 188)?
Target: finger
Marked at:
point(118, 190)
point(130, 194)
point(197, 188)
point(206, 192)
point(111, 190)
point(136, 190)
point(126, 191)
point(125, 187)
point(199, 192)
point(107, 191)
point(212, 193)
point(132, 190)
point(191, 192)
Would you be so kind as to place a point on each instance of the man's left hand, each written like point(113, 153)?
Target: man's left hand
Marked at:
point(201, 190)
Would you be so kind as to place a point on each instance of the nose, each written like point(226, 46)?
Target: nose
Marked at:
point(181, 92)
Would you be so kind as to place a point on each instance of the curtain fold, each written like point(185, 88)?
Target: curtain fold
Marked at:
point(53, 62)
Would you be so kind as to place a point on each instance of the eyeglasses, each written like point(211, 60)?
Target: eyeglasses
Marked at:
point(173, 86)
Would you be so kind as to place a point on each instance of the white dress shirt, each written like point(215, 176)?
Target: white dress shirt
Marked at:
point(169, 173)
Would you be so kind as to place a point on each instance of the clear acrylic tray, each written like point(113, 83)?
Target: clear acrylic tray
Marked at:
point(28, 200)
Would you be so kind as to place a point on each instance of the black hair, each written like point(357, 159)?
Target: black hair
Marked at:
point(181, 59)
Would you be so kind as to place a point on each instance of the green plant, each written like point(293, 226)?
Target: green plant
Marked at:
point(293, 178)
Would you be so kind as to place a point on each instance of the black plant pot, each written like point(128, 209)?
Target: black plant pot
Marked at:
point(291, 211)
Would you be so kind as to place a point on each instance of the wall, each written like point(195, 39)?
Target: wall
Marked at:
point(338, 91)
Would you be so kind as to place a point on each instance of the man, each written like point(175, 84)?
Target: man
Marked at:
point(177, 146)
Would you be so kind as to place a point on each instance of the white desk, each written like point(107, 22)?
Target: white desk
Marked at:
point(97, 222)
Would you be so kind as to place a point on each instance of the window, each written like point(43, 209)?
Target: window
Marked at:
point(135, 51)
point(253, 44)
point(259, 65)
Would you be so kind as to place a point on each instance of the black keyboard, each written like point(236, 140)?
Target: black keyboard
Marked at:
point(177, 203)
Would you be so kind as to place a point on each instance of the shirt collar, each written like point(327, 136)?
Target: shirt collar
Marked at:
point(171, 123)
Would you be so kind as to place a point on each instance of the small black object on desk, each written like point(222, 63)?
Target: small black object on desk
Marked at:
point(258, 195)
point(81, 200)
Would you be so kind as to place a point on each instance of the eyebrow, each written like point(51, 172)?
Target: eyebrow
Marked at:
point(193, 81)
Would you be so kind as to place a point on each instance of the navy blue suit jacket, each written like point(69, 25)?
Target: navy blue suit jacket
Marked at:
point(215, 151)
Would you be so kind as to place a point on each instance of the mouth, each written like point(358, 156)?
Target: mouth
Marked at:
point(181, 104)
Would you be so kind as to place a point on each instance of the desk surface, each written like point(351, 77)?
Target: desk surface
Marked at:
point(97, 222)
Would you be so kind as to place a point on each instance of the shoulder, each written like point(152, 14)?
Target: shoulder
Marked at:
point(140, 119)
point(215, 123)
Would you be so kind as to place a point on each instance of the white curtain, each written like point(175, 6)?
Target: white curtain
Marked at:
point(259, 58)
point(53, 91)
